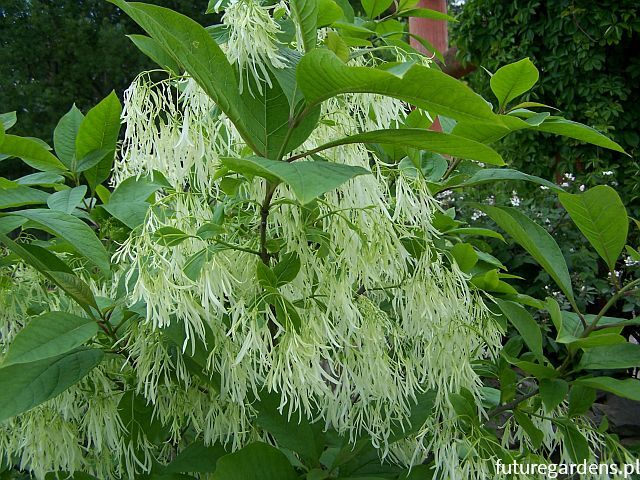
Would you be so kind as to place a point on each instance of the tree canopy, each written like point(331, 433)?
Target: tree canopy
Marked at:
point(44, 72)
point(588, 54)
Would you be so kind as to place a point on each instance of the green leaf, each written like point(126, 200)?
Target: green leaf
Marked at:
point(67, 200)
point(287, 269)
point(99, 130)
point(153, 49)
point(511, 81)
point(328, 12)
point(574, 442)
point(552, 392)
point(489, 175)
point(308, 180)
point(13, 195)
point(374, 8)
point(290, 431)
point(128, 202)
point(93, 158)
point(196, 458)
point(7, 120)
point(337, 45)
point(56, 271)
point(138, 419)
point(421, 410)
point(464, 407)
point(627, 388)
point(578, 131)
point(422, 139)
point(64, 135)
point(191, 46)
point(535, 240)
point(169, 236)
point(322, 75)
point(601, 217)
point(581, 397)
point(38, 257)
point(305, 13)
point(9, 224)
point(256, 461)
point(32, 153)
point(75, 287)
point(286, 313)
point(265, 275)
point(611, 357)
point(472, 231)
point(24, 386)
point(45, 179)
point(535, 369)
point(210, 230)
point(427, 13)
point(193, 266)
point(465, 256)
point(534, 433)
point(525, 324)
point(49, 335)
point(74, 231)
point(271, 111)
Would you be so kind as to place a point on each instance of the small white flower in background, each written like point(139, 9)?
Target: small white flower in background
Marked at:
point(607, 173)
point(630, 262)
point(583, 188)
point(569, 176)
point(542, 187)
point(477, 214)
point(490, 200)
point(515, 199)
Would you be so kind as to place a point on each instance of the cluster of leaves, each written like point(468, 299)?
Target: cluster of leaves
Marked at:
point(86, 58)
point(568, 41)
point(71, 219)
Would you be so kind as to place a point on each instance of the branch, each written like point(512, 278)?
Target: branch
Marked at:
point(453, 66)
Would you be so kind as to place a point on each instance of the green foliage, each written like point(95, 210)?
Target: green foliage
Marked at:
point(49, 335)
point(587, 54)
point(86, 57)
point(26, 385)
point(272, 205)
point(601, 217)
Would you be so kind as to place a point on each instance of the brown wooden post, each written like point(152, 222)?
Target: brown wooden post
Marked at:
point(434, 31)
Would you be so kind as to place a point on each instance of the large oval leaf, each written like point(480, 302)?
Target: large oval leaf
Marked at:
point(422, 139)
point(488, 175)
point(322, 75)
point(24, 386)
point(14, 195)
point(73, 230)
point(525, 324)
point(535, 240)
point(511, 81)
point(611, 357)
point(49, 335)
point(601, 217)
point(64, 135)
point(99, 131)
point(257, 461)
point(32, 153)
point(627, 388)
point(305, 13)
point(577, 131)
point(308, 180)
